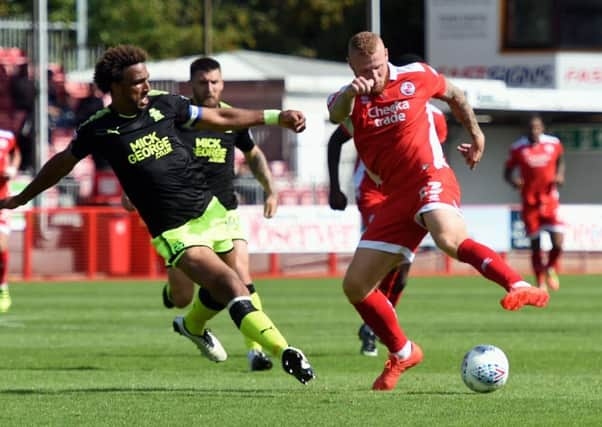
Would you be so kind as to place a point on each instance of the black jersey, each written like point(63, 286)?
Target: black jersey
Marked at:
point(154, 166)
point(215, 150)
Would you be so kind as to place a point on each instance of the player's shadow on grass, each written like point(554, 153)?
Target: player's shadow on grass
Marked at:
point(239, 393)
point(53, 368)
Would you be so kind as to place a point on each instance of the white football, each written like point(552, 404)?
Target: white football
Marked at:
point(485, 368)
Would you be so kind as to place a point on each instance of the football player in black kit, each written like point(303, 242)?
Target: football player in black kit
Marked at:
point(137, 135)
point(216, 151)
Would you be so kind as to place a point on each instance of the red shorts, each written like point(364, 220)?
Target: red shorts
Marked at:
point(396, 226)
point(542, 216)
point(368, 203)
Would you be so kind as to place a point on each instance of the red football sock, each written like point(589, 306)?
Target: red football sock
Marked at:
point(388, 283)
point(378, 313)
point(488, 263)
point(3, 266)
point(553, 256)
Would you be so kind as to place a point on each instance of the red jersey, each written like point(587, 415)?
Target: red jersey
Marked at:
point(365, 187)
point(8, 143)
point(394, 132)
point(537, 164)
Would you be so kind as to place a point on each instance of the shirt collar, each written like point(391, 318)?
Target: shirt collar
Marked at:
point(392, 72)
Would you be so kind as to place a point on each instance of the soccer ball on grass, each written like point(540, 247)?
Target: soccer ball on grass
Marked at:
point(485, 368)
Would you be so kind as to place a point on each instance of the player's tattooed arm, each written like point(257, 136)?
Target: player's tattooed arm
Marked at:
point(461, 109)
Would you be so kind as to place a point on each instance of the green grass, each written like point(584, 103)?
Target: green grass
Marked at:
point(103, 354)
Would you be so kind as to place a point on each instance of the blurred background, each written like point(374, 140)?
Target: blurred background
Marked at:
point(512, 58)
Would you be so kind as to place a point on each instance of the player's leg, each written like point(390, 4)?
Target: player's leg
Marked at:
point(369, 198)
point(553, 225)
point(179, 289)
point(449, 233)
point(239, 259)
point(366, 269)
point(552, 279)
point(536, 261)
point(226, 288)
point(531, 219)
point(392, 285)
point(395, 282)
point(5, 299)
point(193, 248)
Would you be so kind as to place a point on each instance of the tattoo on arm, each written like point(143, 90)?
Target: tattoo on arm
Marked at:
point(460, 108)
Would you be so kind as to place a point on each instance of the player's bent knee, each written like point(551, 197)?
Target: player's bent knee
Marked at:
point(354, 290)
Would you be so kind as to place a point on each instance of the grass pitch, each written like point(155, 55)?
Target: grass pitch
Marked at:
point(103, 354)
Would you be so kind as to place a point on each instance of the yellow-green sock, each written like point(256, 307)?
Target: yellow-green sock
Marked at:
point(203, 308)
point(249, 343)
point(256, 325)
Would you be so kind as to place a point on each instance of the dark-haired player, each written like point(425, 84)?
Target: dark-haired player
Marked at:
point(137, 136)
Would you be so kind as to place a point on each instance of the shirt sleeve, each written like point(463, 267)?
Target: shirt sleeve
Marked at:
point(244, 140)
point(435, 81)
point(81, 144)
point(186, 114)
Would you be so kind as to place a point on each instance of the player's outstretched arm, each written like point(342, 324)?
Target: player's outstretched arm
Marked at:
point(464, 113)
point(261, 171)
point(336, 198)
point(238, 118)
point(340, 104)
point(50, 174)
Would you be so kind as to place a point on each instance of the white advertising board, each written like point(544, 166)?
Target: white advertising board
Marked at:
point(301, 229)
point(583, 227)
point(318, 229)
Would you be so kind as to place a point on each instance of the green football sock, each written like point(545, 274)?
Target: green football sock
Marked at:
point(203, 308)
point(256, 325)
point(249, 343)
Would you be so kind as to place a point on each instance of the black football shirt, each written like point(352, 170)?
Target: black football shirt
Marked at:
point(215, 151)
point(153, 164)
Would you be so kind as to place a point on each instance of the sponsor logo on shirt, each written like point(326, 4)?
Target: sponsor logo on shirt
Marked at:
point(389, 114)
point(536, 160)
point(150, 145)
point(211, 149)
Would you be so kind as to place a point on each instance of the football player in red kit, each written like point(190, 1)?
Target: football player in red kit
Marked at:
point(395, 137)
point(540, 161)
point(368, 197)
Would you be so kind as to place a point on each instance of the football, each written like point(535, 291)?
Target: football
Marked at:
point(485, 368)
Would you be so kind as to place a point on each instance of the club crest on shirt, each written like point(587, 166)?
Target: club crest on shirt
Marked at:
point(407, 88)
point(548, 148)
point(364, 99)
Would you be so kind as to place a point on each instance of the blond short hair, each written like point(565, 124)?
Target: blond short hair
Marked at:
point(364, 43)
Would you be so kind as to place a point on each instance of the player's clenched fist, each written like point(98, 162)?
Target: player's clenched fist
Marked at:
point(292, 119)
point(360, 86)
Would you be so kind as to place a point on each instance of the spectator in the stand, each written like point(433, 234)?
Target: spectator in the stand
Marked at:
point(60, 114)
point(86, 107)
point(23, 92)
